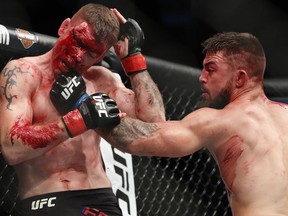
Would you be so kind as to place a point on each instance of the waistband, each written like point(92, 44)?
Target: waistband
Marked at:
point(67, 195)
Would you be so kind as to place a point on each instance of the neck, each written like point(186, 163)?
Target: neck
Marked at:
point(250, 93)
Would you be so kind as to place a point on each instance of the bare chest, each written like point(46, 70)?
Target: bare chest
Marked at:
point(78, 153)
point(42, 106)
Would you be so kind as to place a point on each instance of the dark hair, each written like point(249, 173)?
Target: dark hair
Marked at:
point(103, 21)
point(245, 47)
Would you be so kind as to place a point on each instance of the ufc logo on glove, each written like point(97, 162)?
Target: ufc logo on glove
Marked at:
point(67, 91)
point(101, 106)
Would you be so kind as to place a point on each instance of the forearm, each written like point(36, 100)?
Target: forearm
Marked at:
point(161, 139)
point(25, 141)
point(149, 103)
point(130, 135)
point(148, 100)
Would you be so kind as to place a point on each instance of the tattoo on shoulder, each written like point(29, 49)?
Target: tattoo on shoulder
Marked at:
point(10, 75)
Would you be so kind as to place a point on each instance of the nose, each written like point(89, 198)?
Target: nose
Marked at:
point(202, 77)
point(77, 55)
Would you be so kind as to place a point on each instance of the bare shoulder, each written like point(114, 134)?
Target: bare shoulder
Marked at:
point(17, 75)
point(211, 125)
point(101, 73)
point(20, 62)
point(103, 79)
point(24, 66)
point(205, 115)
point(205, 118)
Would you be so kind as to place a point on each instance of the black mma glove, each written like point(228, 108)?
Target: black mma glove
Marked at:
point(68, 92)
point(134, 61)
point(98, 110)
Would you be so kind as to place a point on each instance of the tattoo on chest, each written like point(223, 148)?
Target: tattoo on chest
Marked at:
point(10, 76)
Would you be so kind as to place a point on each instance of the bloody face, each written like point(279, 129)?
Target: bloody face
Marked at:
point(77, 49)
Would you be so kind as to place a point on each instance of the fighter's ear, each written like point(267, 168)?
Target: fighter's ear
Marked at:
point(241, 78)
point(63, 26)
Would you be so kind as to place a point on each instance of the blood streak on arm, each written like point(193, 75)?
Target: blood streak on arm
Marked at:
point(228, 164)
point(34, 136)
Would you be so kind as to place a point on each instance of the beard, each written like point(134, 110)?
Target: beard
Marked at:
point(219, 102)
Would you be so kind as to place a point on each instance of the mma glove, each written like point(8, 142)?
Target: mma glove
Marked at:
point(98, 110)
point(68, 92)
point(134, 61)
point(80, 111)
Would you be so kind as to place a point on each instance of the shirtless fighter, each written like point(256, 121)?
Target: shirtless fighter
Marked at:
point(244, 131)
point(51, 104)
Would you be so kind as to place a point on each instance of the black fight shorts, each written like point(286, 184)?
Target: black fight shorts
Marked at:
point(95, 202)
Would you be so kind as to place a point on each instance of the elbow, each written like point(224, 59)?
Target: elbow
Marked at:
point(126, 148)
point(152, 117)
point(161, 117)
point(11, 157)
point(136, 149)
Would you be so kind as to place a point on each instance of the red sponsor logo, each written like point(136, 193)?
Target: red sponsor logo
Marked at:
point(93, 212)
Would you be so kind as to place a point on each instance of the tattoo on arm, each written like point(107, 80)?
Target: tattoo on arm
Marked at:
point(128, 131)
point(10, 75)
point(145, 83)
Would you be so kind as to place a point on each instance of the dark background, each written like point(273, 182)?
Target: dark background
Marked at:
point(174, 30)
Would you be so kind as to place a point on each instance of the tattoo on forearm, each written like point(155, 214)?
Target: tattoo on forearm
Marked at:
point(129, 131)
point(156, 97)
point(10, 76)
point(144, 83)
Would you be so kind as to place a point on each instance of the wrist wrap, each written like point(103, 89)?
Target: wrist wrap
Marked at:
point(133, 64)
point(74, 123)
